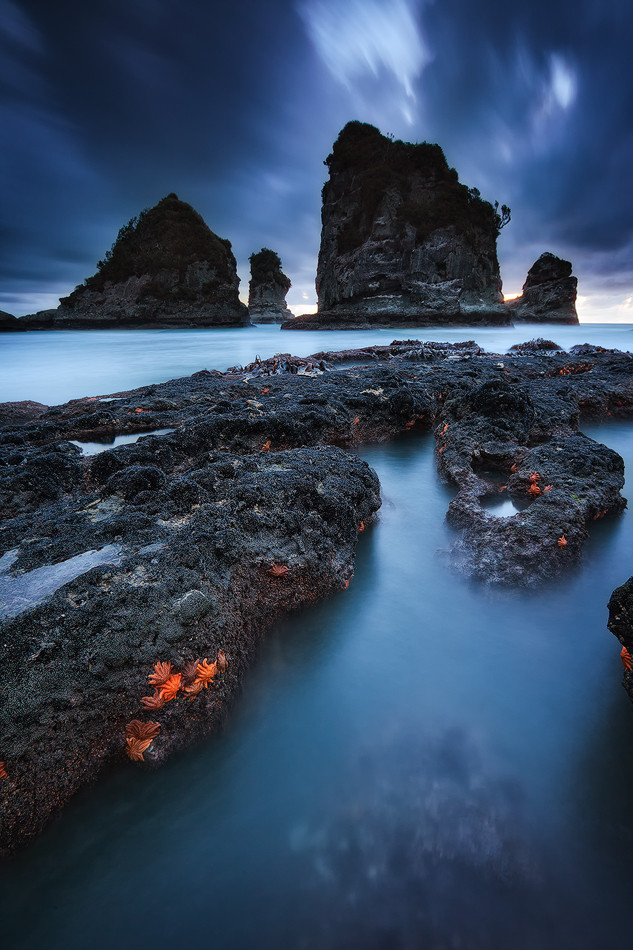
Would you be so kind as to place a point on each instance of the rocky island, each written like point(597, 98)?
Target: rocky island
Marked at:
point(165, 269)
point(404, 243)
point(136, 583)
point(267, 289)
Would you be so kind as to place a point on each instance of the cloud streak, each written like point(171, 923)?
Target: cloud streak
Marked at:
point(359, 40)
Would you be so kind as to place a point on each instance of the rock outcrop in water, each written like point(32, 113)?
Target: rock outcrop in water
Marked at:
point(201, 537)
point(621, 626)
point(166, 269)
point(267, 289)
point(402, 241)
point(549, 293)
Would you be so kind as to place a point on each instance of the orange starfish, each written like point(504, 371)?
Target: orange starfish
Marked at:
point(153, 702)
point(266, 446)
point(278, 570)
point(534, 477)
point(361, 526)
point(161, 674)
point(3, 771)
point(171, 687)
point(136, 747)
point(534, 490)
point(562, 541)
point(625, 656)
point(142, 730)
point(221, 661)
point(193, 689)
point(356, 421)
point(189, 672)
point(206, 672)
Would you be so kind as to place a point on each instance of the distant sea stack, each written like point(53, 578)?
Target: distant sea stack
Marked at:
point(549, 293)
point(402, 241)
point(267, 289)
point(166, 269)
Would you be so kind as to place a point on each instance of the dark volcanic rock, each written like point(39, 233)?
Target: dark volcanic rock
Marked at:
point(402, 238)
point(9, 322)
point(549, 293)
point(166, 268)
point(267, 289)
point(621, 624)
point(180, 545)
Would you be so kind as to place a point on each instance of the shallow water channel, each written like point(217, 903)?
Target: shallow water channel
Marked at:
point(418, 762)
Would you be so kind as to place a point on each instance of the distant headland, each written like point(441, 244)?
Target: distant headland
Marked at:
point(403, 243)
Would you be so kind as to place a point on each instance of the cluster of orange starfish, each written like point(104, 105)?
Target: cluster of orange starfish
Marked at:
point(194, 677)
point(138, 738)
point(625, 656)
point(535, 489)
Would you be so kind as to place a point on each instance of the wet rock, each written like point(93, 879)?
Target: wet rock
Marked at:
point(191, 607)
point(621, 624)
point(135, 479)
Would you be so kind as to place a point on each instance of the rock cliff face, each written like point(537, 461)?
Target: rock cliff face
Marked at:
point(267, 289)
point(402, 238)
point(549, 293)
point(166, 268)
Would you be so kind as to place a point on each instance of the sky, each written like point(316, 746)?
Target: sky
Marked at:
point(106, 106)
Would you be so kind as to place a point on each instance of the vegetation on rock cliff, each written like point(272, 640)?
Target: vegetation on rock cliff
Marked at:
point(266, 268)
point(429, 192)
point(160, 240)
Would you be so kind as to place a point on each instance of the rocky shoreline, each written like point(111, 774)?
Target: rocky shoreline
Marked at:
point(249, 508)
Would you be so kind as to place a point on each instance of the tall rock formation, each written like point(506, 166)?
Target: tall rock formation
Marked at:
point(402, 240)
point(166, 268)
point(267, 289)
point(549, 293)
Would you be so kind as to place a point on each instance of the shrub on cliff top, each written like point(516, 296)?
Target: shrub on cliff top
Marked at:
point(170, 236)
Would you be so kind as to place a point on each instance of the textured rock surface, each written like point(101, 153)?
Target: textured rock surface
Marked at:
point(621, 624)
point(549, 293)
point(166, 268)
point(401, 236)
point(183, 529)
point(267, 289)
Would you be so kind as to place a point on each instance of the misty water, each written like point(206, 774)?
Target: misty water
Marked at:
point(420, 761)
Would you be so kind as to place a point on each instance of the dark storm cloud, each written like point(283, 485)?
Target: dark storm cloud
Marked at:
point(107, 106)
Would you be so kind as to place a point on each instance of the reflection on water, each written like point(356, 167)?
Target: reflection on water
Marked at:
point(20, 591)
point(417, 762)
point(93, 448)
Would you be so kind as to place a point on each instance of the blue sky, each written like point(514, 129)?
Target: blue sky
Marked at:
point(108, 106)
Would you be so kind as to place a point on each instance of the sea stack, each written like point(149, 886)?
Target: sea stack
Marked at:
point(166, 269)
point(549, 293)
point(402, 241)
point(267, 289)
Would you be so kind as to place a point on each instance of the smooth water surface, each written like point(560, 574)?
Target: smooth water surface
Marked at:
point(53, 366)
point(419, 762)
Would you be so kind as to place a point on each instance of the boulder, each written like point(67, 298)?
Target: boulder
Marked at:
point(402, 240)
point(267, 289)
point(549, 293)
point(166, 268)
